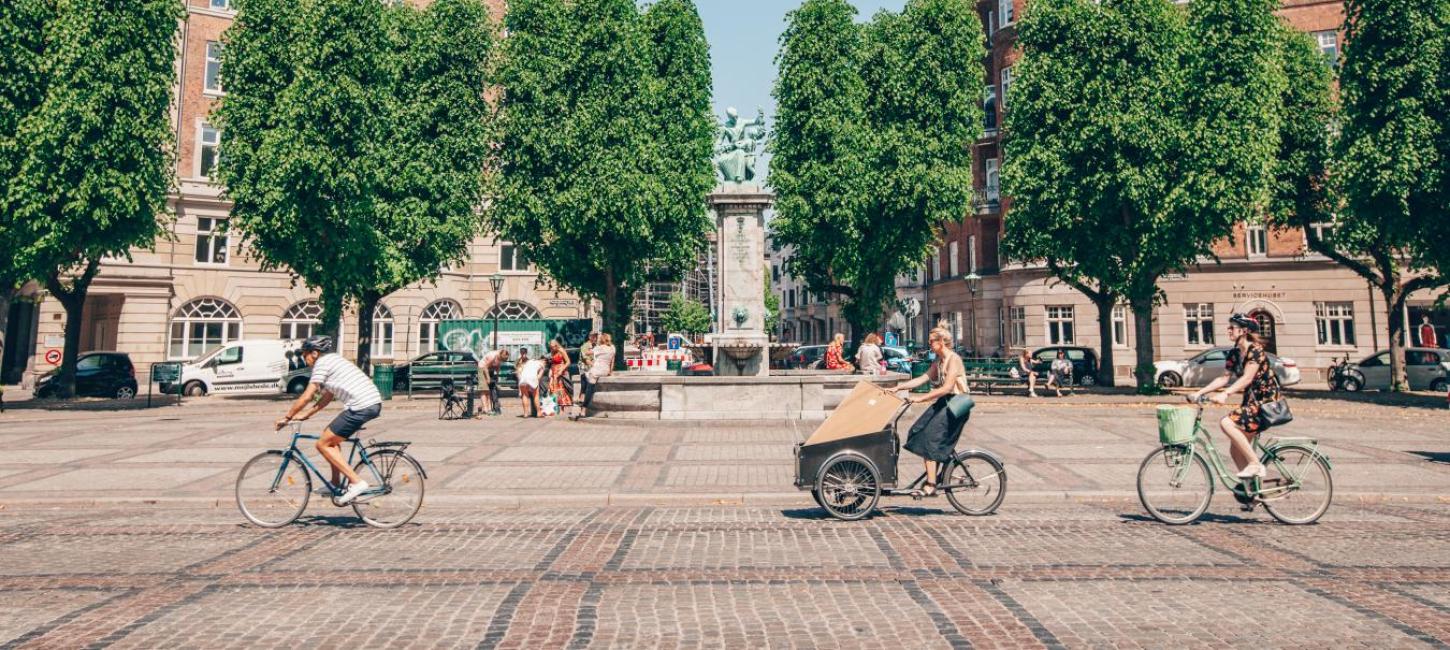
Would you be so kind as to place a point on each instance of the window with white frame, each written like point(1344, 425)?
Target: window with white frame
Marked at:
point(213, 75)
point(1198, 319)
point(993, 175)
point(1258, 237)
point(301, 320)
point(1006, 11)
point(1017, 326)
point(211, 240)
point(223, 5)
point(201, 325)
point(1006, 86)
point(991, 21)
point(972, 254)
point(936, 265)
point(989, 108)
point(382, 346)
point(1328, 42)
point(512, 310)
point(207, 150)
point(1059, 325)
point(1120, 326)
point(1335, 323)
point(511, 258)
point(954, 262)
point(1323, 231)
point(955, 320)
point(428, 323)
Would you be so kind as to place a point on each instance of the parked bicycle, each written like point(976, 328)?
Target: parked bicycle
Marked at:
point(1341, 377)
point(1175, 483)
point(274, 486)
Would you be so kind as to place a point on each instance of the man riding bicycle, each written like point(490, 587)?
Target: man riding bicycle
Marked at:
point(336, 377)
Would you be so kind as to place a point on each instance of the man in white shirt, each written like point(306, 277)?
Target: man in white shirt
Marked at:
point(337, 378)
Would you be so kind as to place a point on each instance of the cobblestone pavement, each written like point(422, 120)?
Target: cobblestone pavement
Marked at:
point(1054, 449)
point(1034, 575)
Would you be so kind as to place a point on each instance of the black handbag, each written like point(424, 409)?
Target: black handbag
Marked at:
point(1275, 413)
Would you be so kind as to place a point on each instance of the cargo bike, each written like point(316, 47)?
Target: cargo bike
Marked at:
point(849, 462)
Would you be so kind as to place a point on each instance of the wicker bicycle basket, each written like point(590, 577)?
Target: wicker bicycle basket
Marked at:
point(1175, 424)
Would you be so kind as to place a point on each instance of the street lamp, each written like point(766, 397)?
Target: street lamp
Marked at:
point(496, 282)
point(974, 282)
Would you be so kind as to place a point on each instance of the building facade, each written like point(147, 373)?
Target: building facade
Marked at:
point(198, 288)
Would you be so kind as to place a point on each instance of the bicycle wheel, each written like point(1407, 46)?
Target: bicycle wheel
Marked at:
point(1309, 501)
point(1174, 485)
point(974, 483)
point(272, 490)
point(401, 480)
point(849, 487)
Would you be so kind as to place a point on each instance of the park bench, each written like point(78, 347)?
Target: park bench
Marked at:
point(988, 373)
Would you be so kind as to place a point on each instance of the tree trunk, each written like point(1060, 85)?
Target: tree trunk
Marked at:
point(331, 317)
point(1395, 297)
point(612, 320)
point(73, 299)
point(365, 331)
point(7, 293)
point(1105, 334)
point(1143, 344)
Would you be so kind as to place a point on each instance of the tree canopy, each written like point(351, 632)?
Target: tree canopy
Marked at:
point(685, 315)
point(355, 140)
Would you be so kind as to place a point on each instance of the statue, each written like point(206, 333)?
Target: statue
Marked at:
point(736, 145)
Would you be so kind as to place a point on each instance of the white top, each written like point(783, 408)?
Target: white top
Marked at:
point(346, 382)
point(530, 371)
point(603, 365)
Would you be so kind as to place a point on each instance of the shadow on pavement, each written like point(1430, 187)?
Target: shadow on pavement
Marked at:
point(1207, 518)
point(1441, 457)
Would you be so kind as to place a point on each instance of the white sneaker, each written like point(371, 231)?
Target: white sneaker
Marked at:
point(1252, 471)
point(352, 492)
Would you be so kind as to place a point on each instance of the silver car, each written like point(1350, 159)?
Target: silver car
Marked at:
point(1424, 367)
point(1208, 365)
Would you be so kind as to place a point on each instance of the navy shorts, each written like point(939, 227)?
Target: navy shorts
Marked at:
point(349, 421)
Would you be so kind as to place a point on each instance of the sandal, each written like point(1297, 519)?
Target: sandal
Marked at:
point(929, 490)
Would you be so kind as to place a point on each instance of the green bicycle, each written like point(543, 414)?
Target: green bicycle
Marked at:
point(1175, 484)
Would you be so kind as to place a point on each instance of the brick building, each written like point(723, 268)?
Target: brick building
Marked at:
point(198, 288)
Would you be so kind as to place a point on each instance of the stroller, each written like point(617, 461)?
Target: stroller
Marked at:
point(850, 461)
point(452, 402)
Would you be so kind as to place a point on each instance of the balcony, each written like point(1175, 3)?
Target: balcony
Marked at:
point(986, 200)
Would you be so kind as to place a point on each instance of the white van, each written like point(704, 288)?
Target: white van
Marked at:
point(246, 367)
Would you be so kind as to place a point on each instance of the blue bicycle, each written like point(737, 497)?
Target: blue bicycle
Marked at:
point(275, 485)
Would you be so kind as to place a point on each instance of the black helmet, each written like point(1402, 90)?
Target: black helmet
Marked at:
point(319, 343)
point(1244, 322)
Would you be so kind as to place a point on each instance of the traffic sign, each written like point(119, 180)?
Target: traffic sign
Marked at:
point(52, 357)
point(891, 340)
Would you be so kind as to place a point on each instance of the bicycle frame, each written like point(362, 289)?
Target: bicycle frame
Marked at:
point(1203, 443)
point(292, 453)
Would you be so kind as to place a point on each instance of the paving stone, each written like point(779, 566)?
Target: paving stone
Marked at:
point(505, 477)
point(59, 554)
point(103, 479)
point(564, 454)
point(733, 452)
point(29, 609)
point(50, 456)
point(716, 476)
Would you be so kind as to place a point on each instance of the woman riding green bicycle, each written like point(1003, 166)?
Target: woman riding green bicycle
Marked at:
point(1248, 371)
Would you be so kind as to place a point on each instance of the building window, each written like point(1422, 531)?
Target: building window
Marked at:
point(1198, 318)
point(790, 298)
point(213, 78)
point(207, 151)
point(936, 265)
point(382, 346)
point(211, 240)
point(1005, 10)
point(954, 263)
point(1328, 42)
point(511, 258)
point(224, 5)
point(1323, 231)
point(993, 174)
point(954, 322)
point(1017, 326)
point(1335, 322)
point(972, 254)
point(1059, 325)
point(428, 323)
point(1258, 236)
point(1006, 86)
point(989, 108)
point(1120, 326)
point(301, 320)
point(512, 310)
point(201, 325)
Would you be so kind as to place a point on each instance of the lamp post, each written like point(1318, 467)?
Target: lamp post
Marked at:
point(495, 281)
point(974, 282)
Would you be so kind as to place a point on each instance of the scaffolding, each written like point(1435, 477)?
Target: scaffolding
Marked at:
point(697, 284)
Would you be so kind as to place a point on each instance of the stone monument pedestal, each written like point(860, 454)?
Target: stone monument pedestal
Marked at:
point(741, 344)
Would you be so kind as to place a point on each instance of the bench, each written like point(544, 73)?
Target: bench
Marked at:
point(987, 373)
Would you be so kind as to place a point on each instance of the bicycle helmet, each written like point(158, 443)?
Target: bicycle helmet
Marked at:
point(319, 343)
point(1244, 322)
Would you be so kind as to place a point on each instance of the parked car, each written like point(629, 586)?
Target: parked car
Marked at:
point(805, 356)
point(1084, 362)
point(264, 366)
point(427, 371)
point(98, 374)
point(1204, 367)
point(897, 359)
point(1425, 368)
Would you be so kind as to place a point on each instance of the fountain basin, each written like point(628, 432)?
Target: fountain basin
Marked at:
point(783, 395)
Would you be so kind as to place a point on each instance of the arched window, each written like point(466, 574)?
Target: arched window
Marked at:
point(382, 332)
point(301, 320)
point(428, 323)
point(202, 324)
point(512, 310)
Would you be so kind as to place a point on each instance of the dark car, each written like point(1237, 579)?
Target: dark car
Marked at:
point(805, 356)
point(98, 374)
point(1084, 362)
point(427, 371)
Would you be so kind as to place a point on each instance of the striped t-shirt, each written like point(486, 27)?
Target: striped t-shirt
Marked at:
point(346, 382)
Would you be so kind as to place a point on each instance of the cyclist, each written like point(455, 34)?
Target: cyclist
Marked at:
point(1248, 368)
point(337, 378)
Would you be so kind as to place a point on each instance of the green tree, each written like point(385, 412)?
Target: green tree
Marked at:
point(356, 135)
point(772, 306)
point(1127, 157)
point(86, 156)
point(685, 315)
point(1392, 158)
point(873, 141)
point(605, 138)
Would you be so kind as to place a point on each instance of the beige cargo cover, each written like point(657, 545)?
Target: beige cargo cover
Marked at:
point(867, 409)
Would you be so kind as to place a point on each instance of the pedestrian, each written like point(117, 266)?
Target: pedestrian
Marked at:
point(1060, 374)
point(869, 358)
point(561, 385)
point(602, 367)
point(835, 358)
point(529, 372)
point(488, 368)
point(1024, 371)
point(586, 351)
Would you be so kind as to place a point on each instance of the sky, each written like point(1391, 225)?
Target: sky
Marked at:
point(744, 36)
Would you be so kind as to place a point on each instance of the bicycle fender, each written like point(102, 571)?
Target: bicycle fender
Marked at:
point(990, 454)
point(1313, 450)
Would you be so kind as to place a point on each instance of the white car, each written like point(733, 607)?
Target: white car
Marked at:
point(1204, 367)
point(1425, 368)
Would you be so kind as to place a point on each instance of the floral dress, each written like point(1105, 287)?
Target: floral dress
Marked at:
point(1264, 388)
point(559, 382)
point(834, 360)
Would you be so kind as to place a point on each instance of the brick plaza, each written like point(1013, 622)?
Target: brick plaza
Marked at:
point(118, 529)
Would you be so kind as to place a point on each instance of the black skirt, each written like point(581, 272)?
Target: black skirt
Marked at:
point(935, 434)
